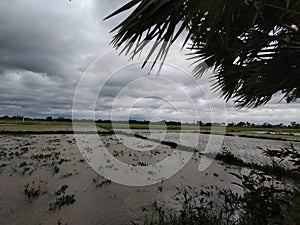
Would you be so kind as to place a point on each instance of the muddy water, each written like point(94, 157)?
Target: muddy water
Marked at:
point(248, 149)
point(51, 161)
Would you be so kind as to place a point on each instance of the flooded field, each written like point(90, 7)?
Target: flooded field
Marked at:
point(46, 180)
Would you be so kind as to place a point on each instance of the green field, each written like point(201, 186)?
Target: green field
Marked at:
point(28, 126)
point(9, 126)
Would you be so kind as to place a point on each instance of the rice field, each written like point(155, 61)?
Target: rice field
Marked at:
point(46, 179)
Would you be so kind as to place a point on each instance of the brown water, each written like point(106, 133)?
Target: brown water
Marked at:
point(110, 203)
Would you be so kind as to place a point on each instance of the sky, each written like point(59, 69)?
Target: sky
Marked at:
point(56, 58)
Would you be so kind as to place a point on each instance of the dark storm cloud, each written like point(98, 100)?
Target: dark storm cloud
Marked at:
point(52, 37)
point(46, 46)
point(33, 93)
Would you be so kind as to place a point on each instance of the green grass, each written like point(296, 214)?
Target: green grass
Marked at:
point(34, 126)
point(202, 128)
point(44, 127)
point(285, 134)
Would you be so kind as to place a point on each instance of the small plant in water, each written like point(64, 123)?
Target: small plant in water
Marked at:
point(106, 181)
point(66, 175)
point(62, 199)
point(33, 192)
point(55, 169)
point(61, 223)
point(264, 201)
point(62, 189)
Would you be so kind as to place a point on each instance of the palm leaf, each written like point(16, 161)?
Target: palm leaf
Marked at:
point(251, 44)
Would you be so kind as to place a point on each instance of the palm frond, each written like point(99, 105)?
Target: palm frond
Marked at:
point(253, 45)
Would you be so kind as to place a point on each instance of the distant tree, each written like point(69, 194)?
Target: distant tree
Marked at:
point(63, 119)
point(295, 125)
point(200, 123)
point(232, 124)
point(18, 117)
point(49, 118)
point(173, 123)
point(280, 125)
point(6, 117)
point(241, 124)
point(267, 125)
point(252, 45)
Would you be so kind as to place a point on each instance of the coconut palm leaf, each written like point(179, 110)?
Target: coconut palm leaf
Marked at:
point(252, 45)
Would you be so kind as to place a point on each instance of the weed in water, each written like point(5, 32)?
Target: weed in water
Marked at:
point(66, 175)
point(61, 223)
point(62, 199)
point(33, 192)
point(55, 169)
point(106, 181)
point(62, 190)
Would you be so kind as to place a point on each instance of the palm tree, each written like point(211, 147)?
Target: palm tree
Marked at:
point(252, 45)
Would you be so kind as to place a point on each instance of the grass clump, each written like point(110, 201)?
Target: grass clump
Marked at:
point(32, 191)
point(198, 209)
point(101, 184)
point(62, 199)
point(227, 157)
point(262, 203)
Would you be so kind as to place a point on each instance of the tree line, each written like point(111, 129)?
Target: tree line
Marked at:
point(292, 124)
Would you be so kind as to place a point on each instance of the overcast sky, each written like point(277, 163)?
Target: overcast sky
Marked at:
point(47, 46)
